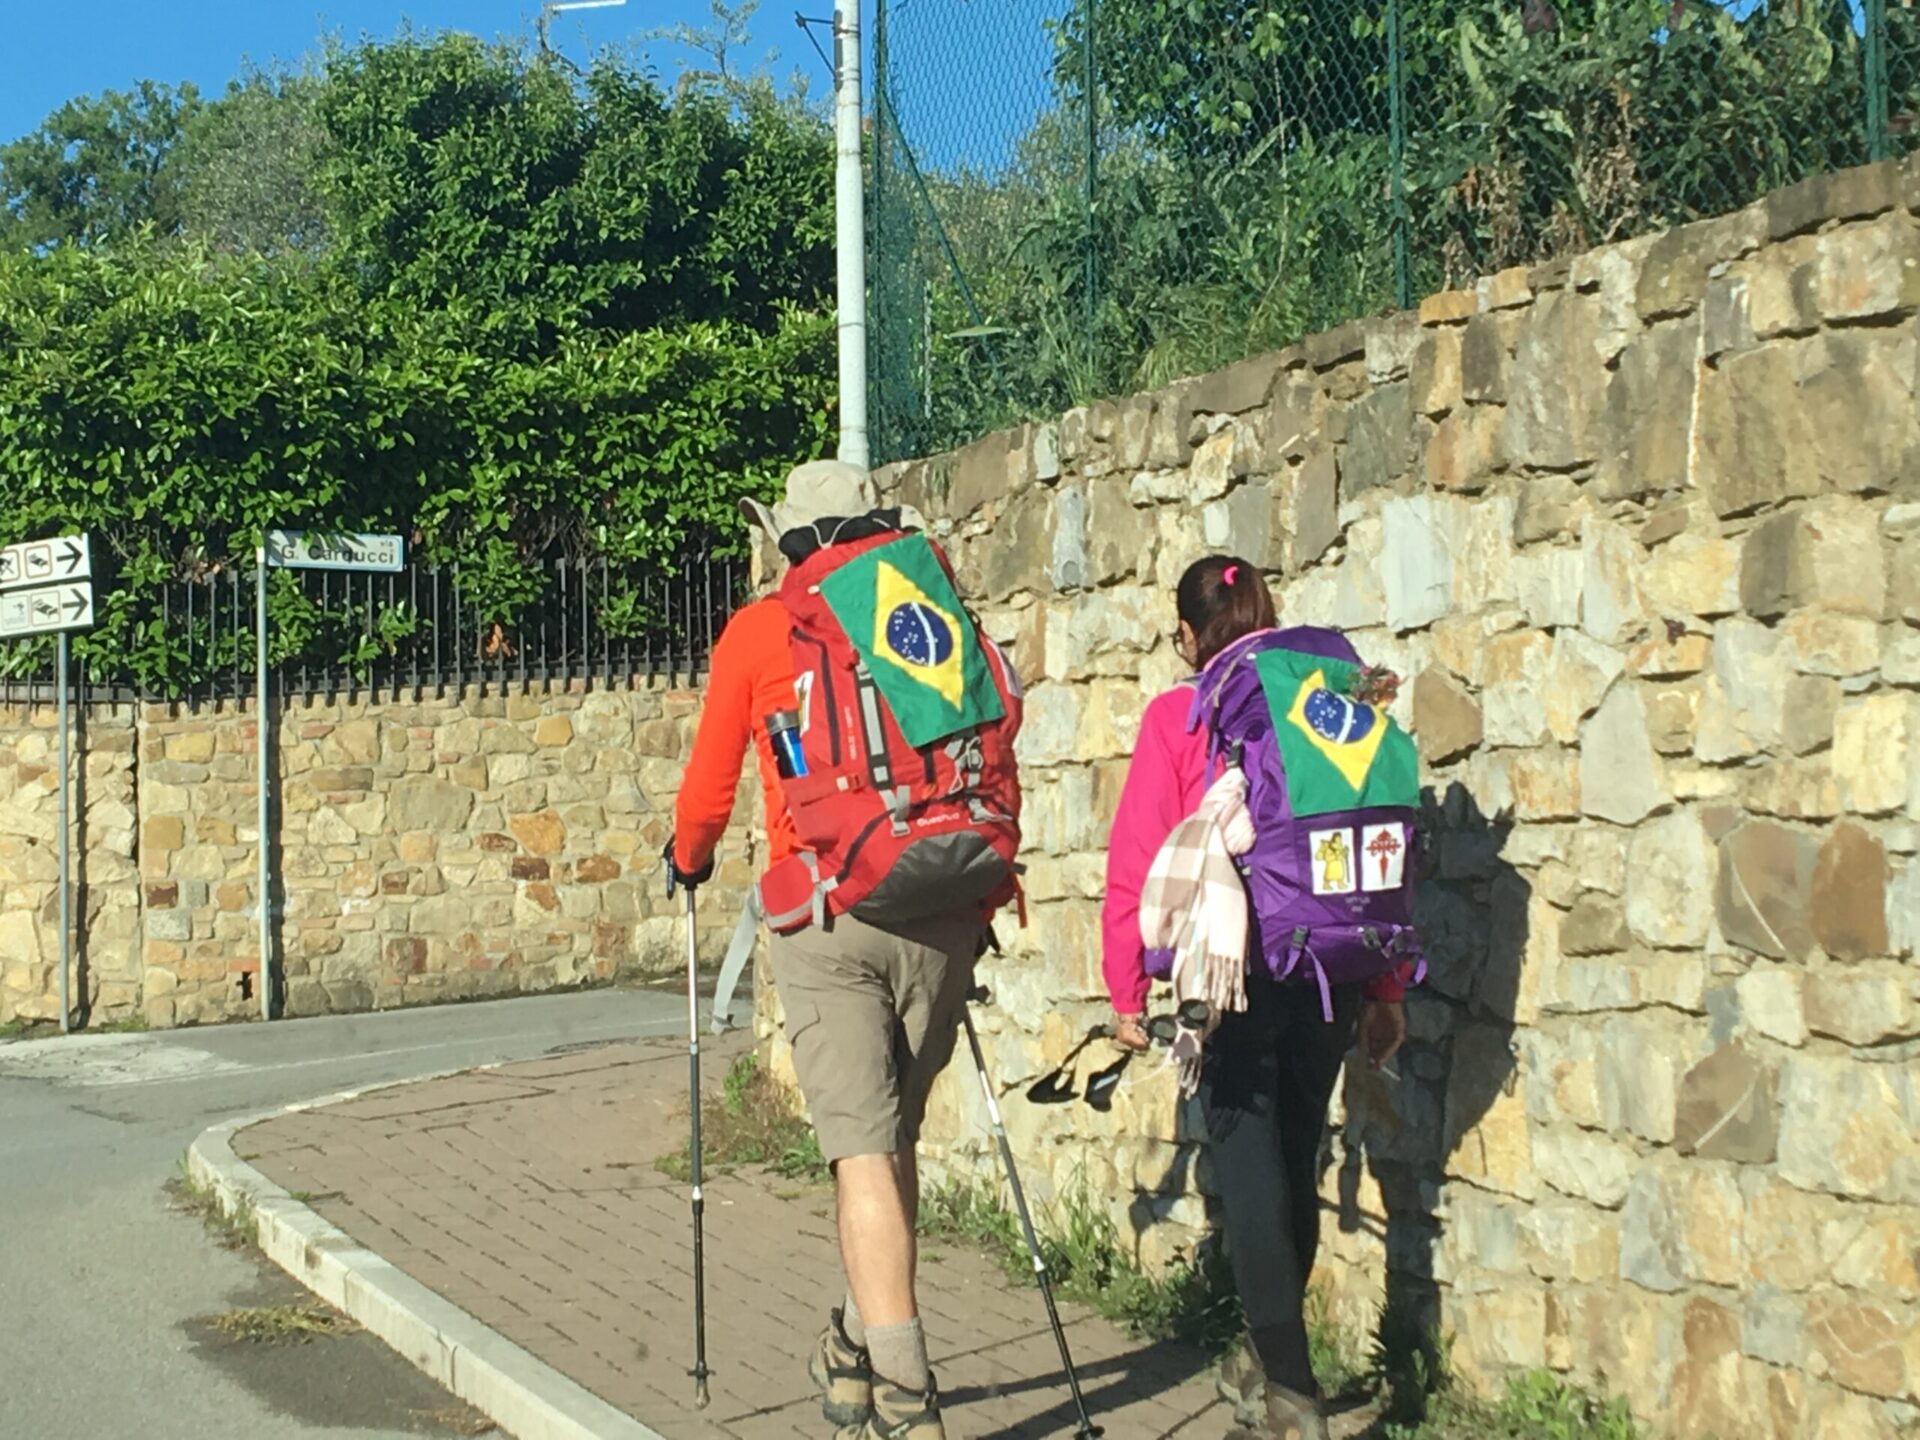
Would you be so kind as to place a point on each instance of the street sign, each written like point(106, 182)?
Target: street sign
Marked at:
point(301, 550)
point(41, 562)
point(45, 611)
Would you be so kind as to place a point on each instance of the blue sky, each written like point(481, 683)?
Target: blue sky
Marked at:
point(50, 52)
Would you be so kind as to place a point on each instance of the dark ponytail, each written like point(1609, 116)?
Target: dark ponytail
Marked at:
point(1222, 598)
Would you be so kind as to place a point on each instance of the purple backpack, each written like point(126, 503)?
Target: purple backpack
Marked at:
point(1333, 788)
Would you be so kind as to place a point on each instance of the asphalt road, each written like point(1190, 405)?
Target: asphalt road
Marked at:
point(108, 1285)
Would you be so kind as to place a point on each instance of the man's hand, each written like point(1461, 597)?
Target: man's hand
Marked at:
point(1383, 1030)
point(678, 879)
point(1129, 1033)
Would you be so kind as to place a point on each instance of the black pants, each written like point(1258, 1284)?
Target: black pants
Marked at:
point(1265, 1083)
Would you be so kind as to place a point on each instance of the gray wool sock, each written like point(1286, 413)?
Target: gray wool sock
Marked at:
point(899, 1355)
point(851, 1324)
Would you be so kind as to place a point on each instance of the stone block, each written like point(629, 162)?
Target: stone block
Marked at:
point(1850, 1129)
point(1584, 1165)
point(1855, 194)
point(1464, 452)
point(1307, 508)
point(1682, 1225)
point(1678, 263)
point(1765, 888)
point(1417, 561)
point(1612, 605)
point(1874, 760)
point(425, 804)
point(1864, 1345)
point(1742, 704)
point(1670, 882)
point(1435, 372)
point(1550, 420)
point(1726, 1109)
point(1595, 926)
point(1120, 537)
point(1238, 388)
point(1645, 427)
point(1826, 554)
point(1864, 272)
point(1512, 688)
point(1486, 351)
point(1861, 1007)
point(1449, 307)
point(1380, 440)
point(1620, 776)
point(1447, 724)
point(1220, 461)
point(1549, 583)
point(540, 833)
point(1330, 348)
point(1068, 566)
point(163, 833)
point(978, 474)
point(1849, 904)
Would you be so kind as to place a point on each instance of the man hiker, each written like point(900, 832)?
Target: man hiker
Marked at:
point(883, 723)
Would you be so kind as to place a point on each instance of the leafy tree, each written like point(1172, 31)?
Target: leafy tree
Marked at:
point(246, 166)
point(97, 169)
point(516, 314)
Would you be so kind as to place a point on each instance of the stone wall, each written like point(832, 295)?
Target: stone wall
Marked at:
point(105, 882)
point(423, 849)
point(1642, 533)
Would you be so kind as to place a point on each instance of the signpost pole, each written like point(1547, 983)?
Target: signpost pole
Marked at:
point(265, 778)
point(66, 856)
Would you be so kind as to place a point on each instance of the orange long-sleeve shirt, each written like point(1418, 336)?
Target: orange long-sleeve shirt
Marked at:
point(749, 678)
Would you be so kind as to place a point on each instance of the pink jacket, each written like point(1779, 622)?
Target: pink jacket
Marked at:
point(1165, 780)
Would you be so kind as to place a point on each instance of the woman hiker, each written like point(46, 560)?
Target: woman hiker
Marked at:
point(1266, 1073)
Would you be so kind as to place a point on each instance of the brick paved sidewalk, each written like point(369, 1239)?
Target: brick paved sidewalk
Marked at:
point(528, 1196)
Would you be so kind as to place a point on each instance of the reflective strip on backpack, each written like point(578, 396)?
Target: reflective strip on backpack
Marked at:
point(894, 798)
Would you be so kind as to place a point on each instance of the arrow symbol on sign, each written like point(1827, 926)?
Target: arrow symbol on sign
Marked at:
point(71, 555)
point(78, 603)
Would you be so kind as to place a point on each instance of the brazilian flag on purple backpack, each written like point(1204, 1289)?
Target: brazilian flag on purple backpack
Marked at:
point(1333, 789)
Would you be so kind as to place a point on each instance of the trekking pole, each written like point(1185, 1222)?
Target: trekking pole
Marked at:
point(1087, 1429)
point(699, 1371)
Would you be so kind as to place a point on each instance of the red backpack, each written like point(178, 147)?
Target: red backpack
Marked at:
point(893, 831)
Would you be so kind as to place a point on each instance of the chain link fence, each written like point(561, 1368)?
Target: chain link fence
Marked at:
point(1073, 198)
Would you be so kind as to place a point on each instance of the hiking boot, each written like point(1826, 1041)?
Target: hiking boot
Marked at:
point(899, 1415)
point(844, 1374)
point(1243, 1385)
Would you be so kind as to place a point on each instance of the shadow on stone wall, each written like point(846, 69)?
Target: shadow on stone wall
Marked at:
point(1406, 1136)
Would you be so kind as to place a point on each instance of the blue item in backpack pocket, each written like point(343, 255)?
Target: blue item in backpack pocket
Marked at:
point(783, 733)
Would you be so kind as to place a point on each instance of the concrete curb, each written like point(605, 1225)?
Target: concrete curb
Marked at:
point(524, 1396)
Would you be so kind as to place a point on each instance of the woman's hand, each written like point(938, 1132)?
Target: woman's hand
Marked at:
point(1129, 1032)
point(1383, 1030)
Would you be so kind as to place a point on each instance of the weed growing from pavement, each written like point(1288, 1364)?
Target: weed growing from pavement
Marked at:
point(282, 1324)
point(1194, 1302)
point(235, 1229)
point(753, 1121)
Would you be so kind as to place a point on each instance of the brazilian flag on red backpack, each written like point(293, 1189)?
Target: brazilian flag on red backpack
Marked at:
point(911, 802)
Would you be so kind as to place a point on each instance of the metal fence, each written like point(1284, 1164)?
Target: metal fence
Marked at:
point(1073, 198)
point(343, 635)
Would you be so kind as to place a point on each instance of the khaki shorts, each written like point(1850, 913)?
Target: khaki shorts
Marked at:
point(872, 1015)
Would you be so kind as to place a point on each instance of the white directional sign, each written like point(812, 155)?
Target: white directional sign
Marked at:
point(47, 610)
point(301, 550)
point(41, 562)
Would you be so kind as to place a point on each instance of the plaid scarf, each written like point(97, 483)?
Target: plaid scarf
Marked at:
point(1194, 903)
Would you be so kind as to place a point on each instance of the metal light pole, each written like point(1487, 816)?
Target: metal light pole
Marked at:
point(850, 237)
